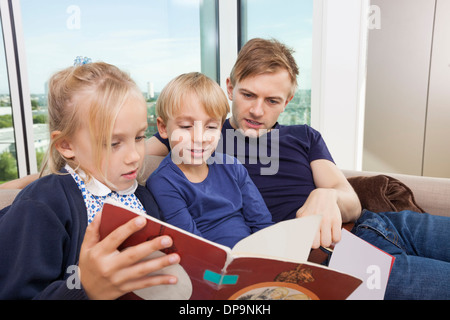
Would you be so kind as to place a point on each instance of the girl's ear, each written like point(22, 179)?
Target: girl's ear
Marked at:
point(162, 128)
point(63, 145)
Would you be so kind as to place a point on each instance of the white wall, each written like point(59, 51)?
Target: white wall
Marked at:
point(339, 72)
point(228, 28)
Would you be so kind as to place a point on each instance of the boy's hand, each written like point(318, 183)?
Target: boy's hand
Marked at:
point(106, 273)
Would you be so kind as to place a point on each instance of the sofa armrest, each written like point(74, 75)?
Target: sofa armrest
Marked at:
point(151, 164)
point(7, 197)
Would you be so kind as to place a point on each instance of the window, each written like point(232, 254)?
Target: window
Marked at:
point(153, 40)
point(289, 21)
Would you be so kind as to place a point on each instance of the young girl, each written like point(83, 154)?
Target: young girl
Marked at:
point(212, 197)
point(97, 120)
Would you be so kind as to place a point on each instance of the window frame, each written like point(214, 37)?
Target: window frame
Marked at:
point(18, 86)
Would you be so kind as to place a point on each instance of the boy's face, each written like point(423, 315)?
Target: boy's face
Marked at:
point(127, 147)
point(258, 101)
point(193, 134)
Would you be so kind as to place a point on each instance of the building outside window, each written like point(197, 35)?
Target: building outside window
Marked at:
point(8, 162)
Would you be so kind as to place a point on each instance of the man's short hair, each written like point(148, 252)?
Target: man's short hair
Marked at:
point(260, 56)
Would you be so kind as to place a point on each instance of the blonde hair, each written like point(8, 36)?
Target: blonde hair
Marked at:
point(259, 56)
point(105, 88)
point(209, 93)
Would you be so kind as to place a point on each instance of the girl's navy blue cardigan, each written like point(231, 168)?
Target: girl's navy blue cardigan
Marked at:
point(40, 239)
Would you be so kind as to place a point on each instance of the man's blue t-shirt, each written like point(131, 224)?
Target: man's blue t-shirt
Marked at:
point(278, 162)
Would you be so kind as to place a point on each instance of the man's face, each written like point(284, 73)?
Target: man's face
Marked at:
point(258, 101)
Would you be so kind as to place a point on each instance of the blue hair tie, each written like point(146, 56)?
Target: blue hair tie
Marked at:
point(79, 61)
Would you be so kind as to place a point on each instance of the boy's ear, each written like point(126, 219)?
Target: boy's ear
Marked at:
point(162, 128)
point(63, 146)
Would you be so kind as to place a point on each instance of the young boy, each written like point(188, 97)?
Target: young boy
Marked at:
point(212, 197)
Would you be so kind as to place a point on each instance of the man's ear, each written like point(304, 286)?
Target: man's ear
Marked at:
point(63, 146)
point(229, 89)
point(287, 102)
point(162, 128)
point(290, 99)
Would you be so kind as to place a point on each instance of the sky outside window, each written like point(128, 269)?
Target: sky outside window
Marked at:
point(153, 40)
point(289, 21)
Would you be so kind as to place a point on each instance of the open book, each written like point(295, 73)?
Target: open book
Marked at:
point(269, 264)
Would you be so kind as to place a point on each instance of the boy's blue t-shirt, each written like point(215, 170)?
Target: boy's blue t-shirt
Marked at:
point(278, 163)
point(225, 208)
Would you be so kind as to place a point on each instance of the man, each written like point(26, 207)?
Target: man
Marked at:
point(305, 180)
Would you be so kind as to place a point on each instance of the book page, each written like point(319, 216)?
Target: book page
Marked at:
point(361, 259)
point(287, 240)
point(182, 290)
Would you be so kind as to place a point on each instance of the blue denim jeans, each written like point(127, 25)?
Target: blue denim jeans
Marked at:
point(420, 244)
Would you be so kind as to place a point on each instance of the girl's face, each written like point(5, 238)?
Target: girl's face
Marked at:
point(193, 134)
point(127, 147)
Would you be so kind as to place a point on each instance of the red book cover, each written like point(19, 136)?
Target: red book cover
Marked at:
point(270, 264)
